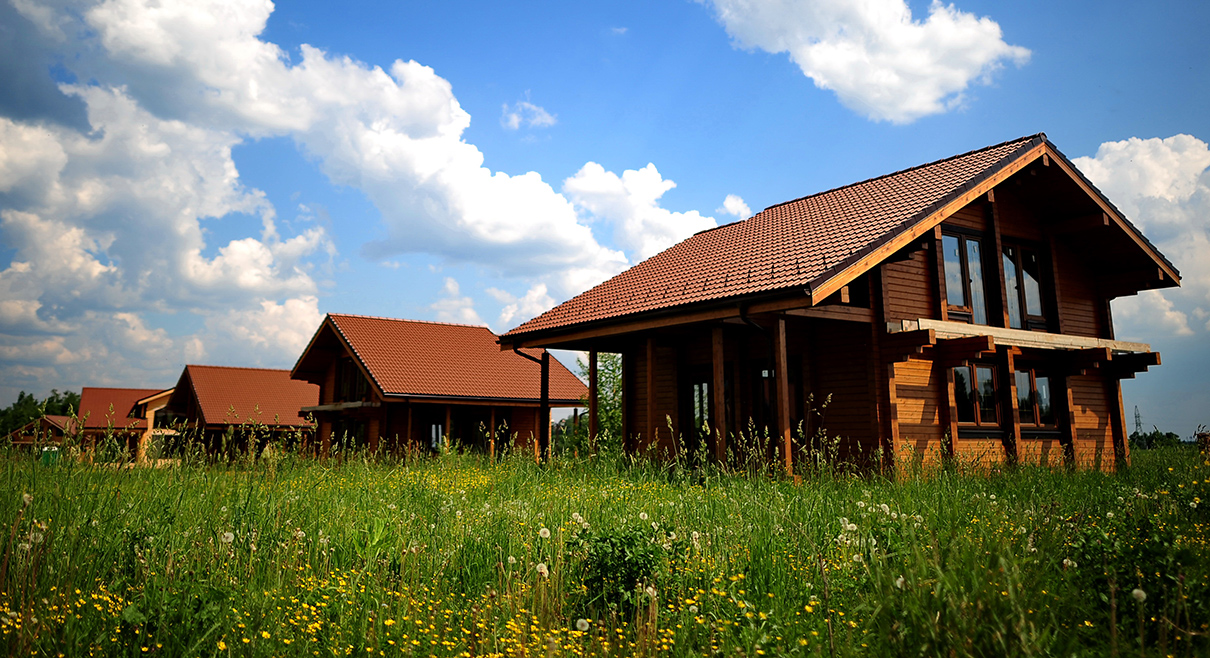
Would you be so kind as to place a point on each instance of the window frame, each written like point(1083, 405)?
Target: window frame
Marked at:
point(966, 313)
point(979, 425)
point(1034, 425)
point(1029, 322)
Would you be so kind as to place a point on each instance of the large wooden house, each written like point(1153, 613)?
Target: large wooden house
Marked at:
point(955, 309)
point(413, 383)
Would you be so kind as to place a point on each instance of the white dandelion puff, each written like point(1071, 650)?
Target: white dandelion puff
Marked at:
point(544, 533)
point(228, 537)
point(581, 625)
point(1139, 595)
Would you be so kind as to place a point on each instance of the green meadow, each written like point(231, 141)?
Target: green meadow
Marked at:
point(598, 556)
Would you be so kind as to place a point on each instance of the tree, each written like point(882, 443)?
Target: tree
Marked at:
point(1153, 439)
point(27, 408)
point(609, 408)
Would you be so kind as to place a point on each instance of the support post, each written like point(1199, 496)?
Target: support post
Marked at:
point(1117, 421)
point(1012, 445)
point(544, 408)
point(593, 419)
point(491, 436)
point(718, 386)
point(408, 441)
point(449, 429)
point(783, 395)
point(650, 425)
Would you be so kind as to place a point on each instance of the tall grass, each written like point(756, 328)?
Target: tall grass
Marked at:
point(608, 555)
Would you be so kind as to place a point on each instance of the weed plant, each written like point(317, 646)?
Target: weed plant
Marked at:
point(608, 554)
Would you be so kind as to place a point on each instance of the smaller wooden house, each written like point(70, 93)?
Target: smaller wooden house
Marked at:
point(421, 383)
point(48, 429)
point(128, 415)
point(228, 404)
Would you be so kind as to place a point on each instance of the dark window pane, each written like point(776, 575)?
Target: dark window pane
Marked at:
point(987, 395)
point(974, 262)
point(1025, 399)
point(1046, 414)
point(955, 292)
point(1012, 288)
point(1031, 274)
point(964, 395)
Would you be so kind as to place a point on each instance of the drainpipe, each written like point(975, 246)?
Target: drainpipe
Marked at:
point(544, 403)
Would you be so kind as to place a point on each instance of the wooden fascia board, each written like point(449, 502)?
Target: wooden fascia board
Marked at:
point(483, 402)
point(733, 309)
point(924, 225)
point(1111, 211)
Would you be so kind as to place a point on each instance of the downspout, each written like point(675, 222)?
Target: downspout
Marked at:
point(544, 402)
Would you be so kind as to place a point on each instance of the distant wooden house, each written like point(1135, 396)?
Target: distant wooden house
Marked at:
point(128, 415)
point(50, 429)
point(419, 383)
point(217, 402)
point(958, 308)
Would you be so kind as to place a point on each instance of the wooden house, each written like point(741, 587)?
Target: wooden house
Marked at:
point(958, 308)
point(45, 430)
point(226, 404)
point(129, 415)
point(421, 383)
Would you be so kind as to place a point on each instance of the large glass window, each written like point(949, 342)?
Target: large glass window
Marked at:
point(1022, 282)
point(351, 385)
point(1034, 404)
point(975, 396)
point(964, 288)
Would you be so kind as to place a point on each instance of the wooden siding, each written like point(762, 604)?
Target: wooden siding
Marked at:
point(1081, 306)
point(1091, 409)
point(840, 368)
point(919, 388)
point(911, 288)
point(971, 217)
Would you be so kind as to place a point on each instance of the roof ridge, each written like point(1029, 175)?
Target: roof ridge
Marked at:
point(201, 365)
point(437, 322)
point(900, 172)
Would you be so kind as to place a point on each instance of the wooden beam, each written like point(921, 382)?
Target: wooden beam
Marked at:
point(901, 345)
point(718, 389)
point(449, 424)
point(949, 413)
point(834, 312)
point(993, 218)
point(1013, 440)
point(1117, 421)
point(408, 440)
point(782, 376)
point(593, 410)
point(1022, 338)
point(1130, 282)
point(844, 294)
point(1069, 429)
point(956, 351)
point(491, 436)
point(1126, 366)
point(943, 304)
point(544, 407)
point(650, 425)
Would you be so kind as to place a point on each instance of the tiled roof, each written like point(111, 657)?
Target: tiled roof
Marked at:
point(796, 244)
point(409, 357)
point(238, 395)
point(95, 403)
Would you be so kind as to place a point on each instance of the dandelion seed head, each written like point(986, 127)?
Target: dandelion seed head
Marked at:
point(543, 569)
point(227, 537)
point(582, 625)
point(1139, 595)
point(544, 533)
point(642, 516)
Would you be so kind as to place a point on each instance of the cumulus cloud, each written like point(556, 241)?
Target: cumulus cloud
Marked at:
point(734, 205)
point(879, 60)
point(456, 307)
point(519, 309)
point(1163, 186)
point(525, 113)
point(630, 203)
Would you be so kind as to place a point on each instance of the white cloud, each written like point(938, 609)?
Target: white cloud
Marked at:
point(630, 203)
point(456, 307)
point(519, 309)
point(1163, 186)
point(879, 60)
point(525, 113)
point(734, 205)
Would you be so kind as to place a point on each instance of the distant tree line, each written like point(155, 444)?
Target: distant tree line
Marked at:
point(1140, 440)
point(27, 408)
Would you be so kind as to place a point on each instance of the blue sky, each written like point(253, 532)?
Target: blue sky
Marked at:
point(201, 181)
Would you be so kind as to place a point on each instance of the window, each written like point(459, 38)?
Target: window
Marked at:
point(1034, 399)
point(351, 385)
point(964, 290)
point(1022, 283)
point(975, 396)
point(701, 406)
point(436, 436)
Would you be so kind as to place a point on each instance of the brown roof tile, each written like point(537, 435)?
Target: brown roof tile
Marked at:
point(228, 395)
point(792, 244)
point(95, 403)
point(410, 357)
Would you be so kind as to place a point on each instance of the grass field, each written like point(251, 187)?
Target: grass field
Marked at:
point(456, 556)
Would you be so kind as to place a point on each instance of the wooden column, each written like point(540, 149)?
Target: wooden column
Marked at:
point(491, 435)
point(949, 412)
point(594, 419)
point(1117, 422)
point(650, 424)
point(718, 387)
point(782, 375)
point(939, 266)
point(1069, 450)
point(449, 426)
point(1012, 445)
point(993, 218)
point(627, 397)
point(544, 408)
